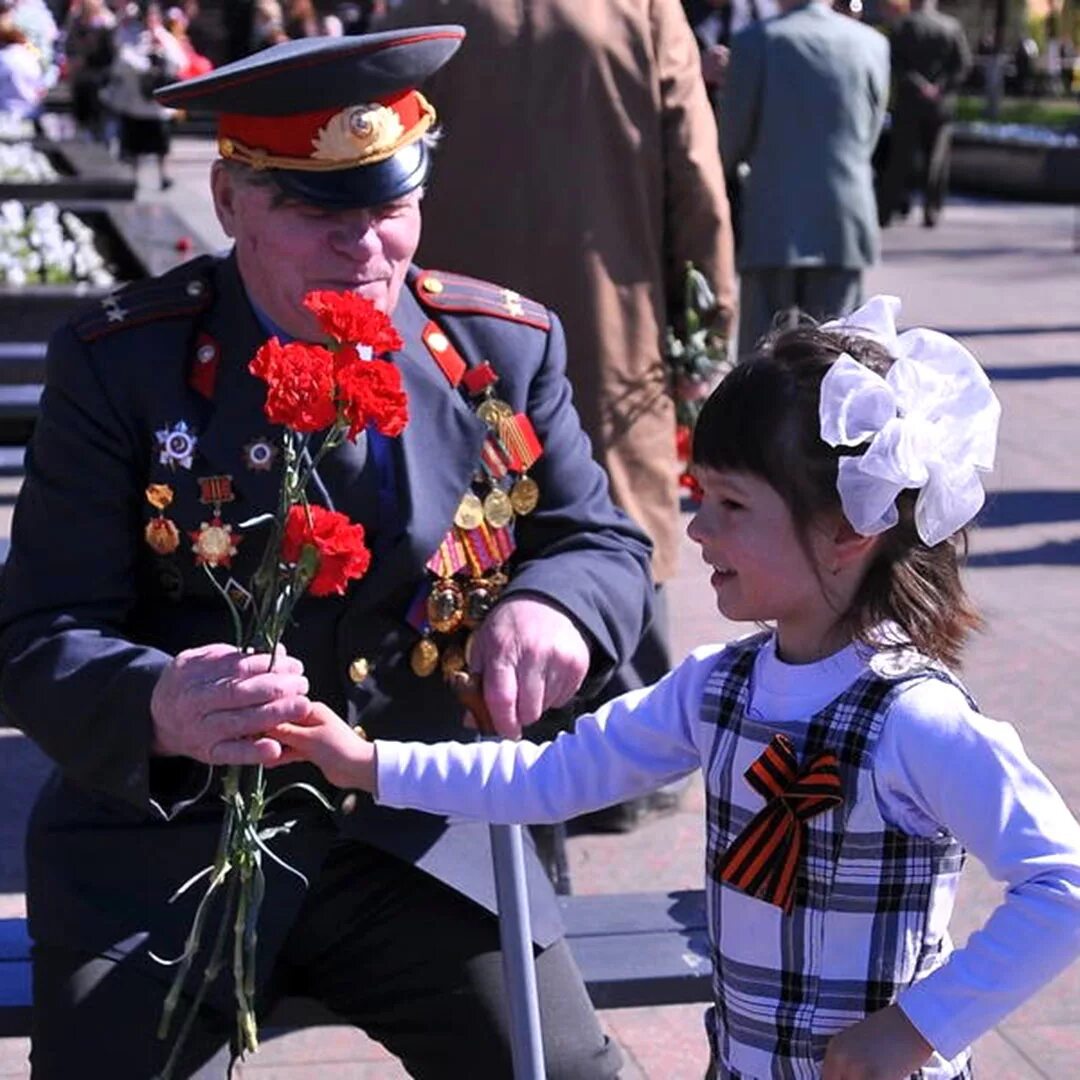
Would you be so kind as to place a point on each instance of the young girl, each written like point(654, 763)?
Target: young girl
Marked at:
point(846, 768)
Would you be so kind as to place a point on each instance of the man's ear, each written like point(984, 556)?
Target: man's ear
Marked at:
point(224, 189)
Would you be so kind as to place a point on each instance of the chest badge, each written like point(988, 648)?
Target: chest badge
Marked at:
point(176, 445)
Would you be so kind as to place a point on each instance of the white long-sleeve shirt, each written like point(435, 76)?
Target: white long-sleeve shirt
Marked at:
point(939, 764)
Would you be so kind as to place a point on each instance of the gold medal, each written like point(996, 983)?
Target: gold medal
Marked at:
point(424, 658)
point(446, 606)
point(470, 512)
point(359, 670)
point(497, 508)
point(494, 412)
point(524, 495)
point(162, 535)
point(453, 660)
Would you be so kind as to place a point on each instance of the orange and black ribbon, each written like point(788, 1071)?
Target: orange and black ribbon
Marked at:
point(764, 858)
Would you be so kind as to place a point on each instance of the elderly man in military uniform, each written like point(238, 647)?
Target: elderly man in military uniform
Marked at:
point(115, 647)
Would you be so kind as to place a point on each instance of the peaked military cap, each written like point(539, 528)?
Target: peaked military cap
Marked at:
point(338, 122)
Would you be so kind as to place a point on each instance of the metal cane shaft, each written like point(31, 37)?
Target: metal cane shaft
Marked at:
point(515, 936)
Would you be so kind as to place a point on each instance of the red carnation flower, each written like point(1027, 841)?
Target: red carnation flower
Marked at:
point(689, 483)
point(354, 320)
point(300, 384)
point(683, 442)
point(340, 553)
point(370, 392)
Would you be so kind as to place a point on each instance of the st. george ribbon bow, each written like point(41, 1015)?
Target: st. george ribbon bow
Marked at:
point(764, 858)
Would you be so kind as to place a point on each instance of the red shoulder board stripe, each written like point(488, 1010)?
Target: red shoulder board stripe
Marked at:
point(445, 355)
point(470, 296)
point(202, 375)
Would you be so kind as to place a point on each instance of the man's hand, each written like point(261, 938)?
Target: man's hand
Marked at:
point(213, 704)
point(531, 657)
point(884, 1046)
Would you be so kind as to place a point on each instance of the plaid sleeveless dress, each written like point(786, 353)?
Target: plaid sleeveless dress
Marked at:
point(871, 904)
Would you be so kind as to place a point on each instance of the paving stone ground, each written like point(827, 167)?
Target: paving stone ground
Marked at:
point(1006, 279)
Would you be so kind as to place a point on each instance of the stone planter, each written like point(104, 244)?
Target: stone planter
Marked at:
point(137, 240)
point(87, 171)
point(1016, 164)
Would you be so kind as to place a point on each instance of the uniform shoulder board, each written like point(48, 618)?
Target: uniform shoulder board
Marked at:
point(179, 294)
point(457, 293)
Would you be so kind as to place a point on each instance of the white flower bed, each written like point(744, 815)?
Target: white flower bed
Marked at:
point(1020, 134)
point(21, 163)
point(15, 128)
point(47, 245)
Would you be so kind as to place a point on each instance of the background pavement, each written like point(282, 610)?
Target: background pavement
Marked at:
point(1006, 279)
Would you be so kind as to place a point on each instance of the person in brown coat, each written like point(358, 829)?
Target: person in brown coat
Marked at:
point(581, 167)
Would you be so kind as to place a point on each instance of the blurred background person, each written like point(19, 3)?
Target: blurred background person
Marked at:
point(303, 20)
point(88, 46)
point(147, 57)
point(582, 169)
point(176, 22)
point(22, 78)
point(267, 25)
point(803, 105)
point(930, 61)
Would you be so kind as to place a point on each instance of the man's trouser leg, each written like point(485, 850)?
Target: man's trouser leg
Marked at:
point(98, 1017)
point(938, 148)
point(903, 149)
point(418, 967)
point(828, 292)
point(764, 292)
point(384, 945)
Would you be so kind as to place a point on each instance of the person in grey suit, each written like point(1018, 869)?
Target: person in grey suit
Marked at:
point(803, 105)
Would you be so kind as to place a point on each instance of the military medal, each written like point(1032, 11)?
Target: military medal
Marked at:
point(162, 535)
point(215, 491)
point(467, 566)
point(445, 606)
point(159, 496)
point(176, 445)
point(480, 597)
point(498, 510)
point(470, 512)
point(424, 658)
point(524, 495)
point(494, 412)
point(214, 543)
point(259, 454)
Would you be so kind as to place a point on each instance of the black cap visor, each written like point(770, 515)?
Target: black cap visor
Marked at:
point(362, 187)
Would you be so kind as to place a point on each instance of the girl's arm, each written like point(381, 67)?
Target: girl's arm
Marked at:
point(941, 764)
point(632, 745)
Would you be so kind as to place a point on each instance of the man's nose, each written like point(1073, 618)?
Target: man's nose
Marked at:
point(356, 235)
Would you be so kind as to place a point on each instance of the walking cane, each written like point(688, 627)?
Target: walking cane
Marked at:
point(515, 932)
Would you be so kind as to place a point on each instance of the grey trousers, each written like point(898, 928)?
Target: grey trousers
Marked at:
point(770, 296)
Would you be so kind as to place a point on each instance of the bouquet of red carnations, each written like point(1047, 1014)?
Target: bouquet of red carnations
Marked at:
point(340, 388)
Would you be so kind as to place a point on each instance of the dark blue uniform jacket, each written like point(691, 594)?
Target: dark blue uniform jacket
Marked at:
point(89, 614)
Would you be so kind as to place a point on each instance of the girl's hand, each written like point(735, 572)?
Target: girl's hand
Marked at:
point(346, 759)
point(884, 1046)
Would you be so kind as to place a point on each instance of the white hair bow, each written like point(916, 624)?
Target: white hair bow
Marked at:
point(931, 423)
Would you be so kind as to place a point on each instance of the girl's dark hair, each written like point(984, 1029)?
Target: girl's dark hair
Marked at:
point(763, 419)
